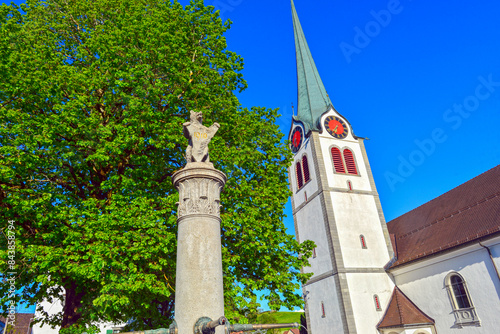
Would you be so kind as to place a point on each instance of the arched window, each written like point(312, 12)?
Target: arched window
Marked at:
point(349, 162)
point(344, 162)
point(461, 297)
point(463, 308)
point(363, 241)
point(338, 162)
point(305, 167)
point(377, 303)
point(298, 172)
point(302, 172)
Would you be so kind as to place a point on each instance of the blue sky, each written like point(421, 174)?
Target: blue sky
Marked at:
point(402, 88)
point(21, 307)
point(423, 83)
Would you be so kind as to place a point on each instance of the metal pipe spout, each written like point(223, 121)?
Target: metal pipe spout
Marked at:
point(205, 325)
point(252, 327)
point(172, 329)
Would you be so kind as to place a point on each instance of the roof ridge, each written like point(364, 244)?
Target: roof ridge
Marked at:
point(401, 319)
point(481, 201)
point(387, 308)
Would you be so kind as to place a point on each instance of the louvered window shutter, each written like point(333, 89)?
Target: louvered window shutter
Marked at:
point(349, 162)
point(298, 171)
point(305, 167)
point(337, 160)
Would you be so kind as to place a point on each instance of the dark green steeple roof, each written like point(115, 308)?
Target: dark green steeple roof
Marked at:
point(312, 98)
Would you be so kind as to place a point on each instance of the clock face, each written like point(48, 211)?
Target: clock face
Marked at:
point(336, 127)
point(297, 138)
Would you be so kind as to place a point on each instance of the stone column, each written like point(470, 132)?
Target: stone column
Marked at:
point(198, 286)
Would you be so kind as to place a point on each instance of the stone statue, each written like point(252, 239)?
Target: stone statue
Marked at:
point(199, 136)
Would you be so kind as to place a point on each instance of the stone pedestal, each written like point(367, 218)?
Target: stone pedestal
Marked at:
point(199, 288)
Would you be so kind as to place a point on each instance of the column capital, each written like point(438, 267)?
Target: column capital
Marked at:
point(199, 185)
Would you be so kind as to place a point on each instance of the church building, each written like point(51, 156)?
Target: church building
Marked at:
point(432, 270)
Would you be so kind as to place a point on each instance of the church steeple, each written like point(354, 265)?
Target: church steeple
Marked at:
point(312, 98)
point(335, 204)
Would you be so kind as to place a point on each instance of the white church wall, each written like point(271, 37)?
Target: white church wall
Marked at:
point(424, 283)
point(311, 226)
point(359, 182)
point(51, 308)
point(356, 215)
point(495, 252)
point(362, 288)
point(324, 292)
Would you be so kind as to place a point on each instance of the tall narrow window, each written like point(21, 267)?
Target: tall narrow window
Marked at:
point(305, 167)
point(323, 314)
point(302, 172)
point(337, 160)
point(314, 252)
point(463, 308)
point(363, 241)
point(377, 303)
point(349, 162)
point(298, 171)
point(459, 292)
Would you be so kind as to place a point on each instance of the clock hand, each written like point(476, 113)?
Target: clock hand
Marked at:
point(336, 127)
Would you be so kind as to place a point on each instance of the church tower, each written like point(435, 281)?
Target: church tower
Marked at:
point(335, 204)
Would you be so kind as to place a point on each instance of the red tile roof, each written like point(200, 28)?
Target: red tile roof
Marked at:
point(21, 325)
point(292, 331)
point(401, 311)
point(464, 214)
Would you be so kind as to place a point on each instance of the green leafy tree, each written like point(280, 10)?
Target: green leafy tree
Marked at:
point(93, 95)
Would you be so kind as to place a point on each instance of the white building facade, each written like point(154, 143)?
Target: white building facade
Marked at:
point(428, 284)
point(373, 277)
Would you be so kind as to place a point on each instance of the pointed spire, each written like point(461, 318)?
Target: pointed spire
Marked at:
point(313, 100)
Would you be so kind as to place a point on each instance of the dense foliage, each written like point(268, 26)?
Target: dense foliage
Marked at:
point(93, 95)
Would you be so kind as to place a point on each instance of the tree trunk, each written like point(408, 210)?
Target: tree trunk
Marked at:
point(72, 304)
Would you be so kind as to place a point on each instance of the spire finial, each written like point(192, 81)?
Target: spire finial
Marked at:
point(313, 100)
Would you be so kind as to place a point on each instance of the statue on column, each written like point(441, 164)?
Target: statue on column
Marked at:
point(199, 137)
